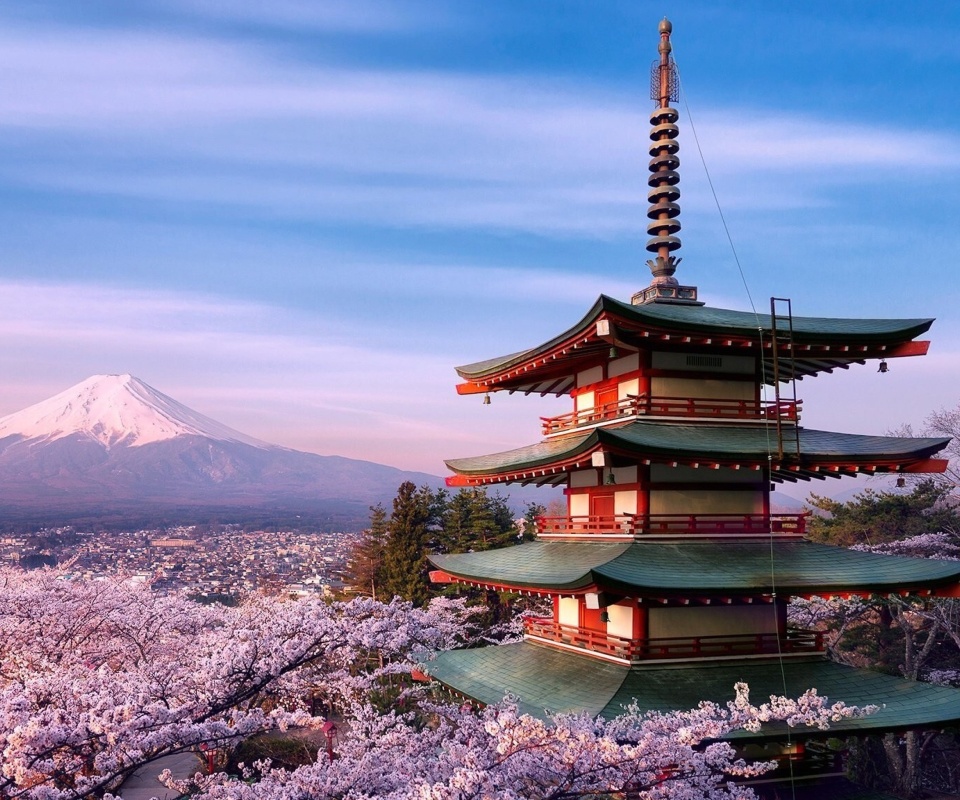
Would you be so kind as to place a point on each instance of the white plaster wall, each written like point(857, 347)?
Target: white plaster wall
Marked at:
point(579, 504)
point(625, 502)
point(569, 613)
point(621, 366)
point(691, 387)
point(584, 477)
point(711, 621)
point(585, 402)
point(741, 365)
point(625, 388)
point(705, 501)
point(588, 376)
point(621, 621)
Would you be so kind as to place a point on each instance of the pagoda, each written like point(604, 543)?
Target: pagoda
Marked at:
point(670, 574)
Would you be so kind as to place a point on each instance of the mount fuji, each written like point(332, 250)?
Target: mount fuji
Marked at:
point(114, 447)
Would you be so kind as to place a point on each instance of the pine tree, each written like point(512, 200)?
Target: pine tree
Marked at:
point(473, 520)
point(491, 523)
point(365, 564)
point(405, 560)
point(877, 517)
point(530, 516)
point(454, 532)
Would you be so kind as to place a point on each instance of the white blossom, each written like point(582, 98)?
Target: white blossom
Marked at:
point(97, 679)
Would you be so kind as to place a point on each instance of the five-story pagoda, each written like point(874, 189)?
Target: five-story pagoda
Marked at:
point(669, 575)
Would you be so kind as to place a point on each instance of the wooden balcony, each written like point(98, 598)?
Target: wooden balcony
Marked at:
point(683, 407)
point(795, 641)
point(639, 525)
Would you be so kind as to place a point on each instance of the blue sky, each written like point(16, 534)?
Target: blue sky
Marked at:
point(297, 217)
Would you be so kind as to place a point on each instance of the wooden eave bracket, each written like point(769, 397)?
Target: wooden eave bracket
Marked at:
point(472, 388)
point(612, 325)
point(928, 465)
point(442, 576)
point(918, 348)
point(780, 472)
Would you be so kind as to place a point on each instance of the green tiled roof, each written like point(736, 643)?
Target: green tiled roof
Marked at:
point(542, 679)
point(658, 569)
point(720, 321)
point(672, 440)
point(547, 680)
point(546, 565)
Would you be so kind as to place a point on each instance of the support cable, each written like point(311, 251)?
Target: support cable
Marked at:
point(763, 375)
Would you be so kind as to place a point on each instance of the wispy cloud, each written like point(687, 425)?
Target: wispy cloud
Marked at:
point(329, 16)
point(791, 142)
point(262, 370)
point(162, 117)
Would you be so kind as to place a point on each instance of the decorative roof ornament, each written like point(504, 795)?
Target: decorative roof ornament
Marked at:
point(664, 192)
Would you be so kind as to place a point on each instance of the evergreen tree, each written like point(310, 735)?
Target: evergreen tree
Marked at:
point(491, 522)
point(364, 573)
point(473, 520)
point(533, 511)
point(878, 517)
point(503, 516)
point(453, 536)
point(483, 527)
point(405, 560)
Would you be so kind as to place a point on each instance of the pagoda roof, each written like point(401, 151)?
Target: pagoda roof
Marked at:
point(820, 344)
point(822, 453)
point(546, 681)
point(701, 568)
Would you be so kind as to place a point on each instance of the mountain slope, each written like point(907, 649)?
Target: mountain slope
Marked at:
point(113, 442)
point(115, 409)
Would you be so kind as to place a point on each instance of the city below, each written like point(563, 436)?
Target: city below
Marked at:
point(209, 562)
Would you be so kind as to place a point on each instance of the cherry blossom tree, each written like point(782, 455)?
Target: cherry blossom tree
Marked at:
point(908, 634)
point(99, 678)
point(498, 752)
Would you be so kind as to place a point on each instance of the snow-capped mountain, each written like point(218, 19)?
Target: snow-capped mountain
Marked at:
point(114, 444)
point(115, 409)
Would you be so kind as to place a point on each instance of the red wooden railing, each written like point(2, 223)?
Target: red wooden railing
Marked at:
point(593, 523)
point(795, 641)
point(701, 524)
point(634, 405)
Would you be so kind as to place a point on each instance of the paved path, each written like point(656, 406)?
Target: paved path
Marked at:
point(143, 784)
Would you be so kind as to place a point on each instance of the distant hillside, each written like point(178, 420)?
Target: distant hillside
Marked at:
point(116, 450)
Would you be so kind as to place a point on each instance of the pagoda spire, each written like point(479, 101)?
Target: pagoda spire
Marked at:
point(664, 191)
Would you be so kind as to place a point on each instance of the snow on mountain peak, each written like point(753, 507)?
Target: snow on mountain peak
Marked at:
point(116, 409)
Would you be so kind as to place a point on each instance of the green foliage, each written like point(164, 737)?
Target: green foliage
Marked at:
point(423, 520)
point(876, 517)
point(365, 565)
point(283, 752)
point(530, 515)
point(405, 558)
point(474, 520)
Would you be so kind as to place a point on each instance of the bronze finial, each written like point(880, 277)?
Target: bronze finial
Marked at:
point(665, 30)
point(664, 211)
